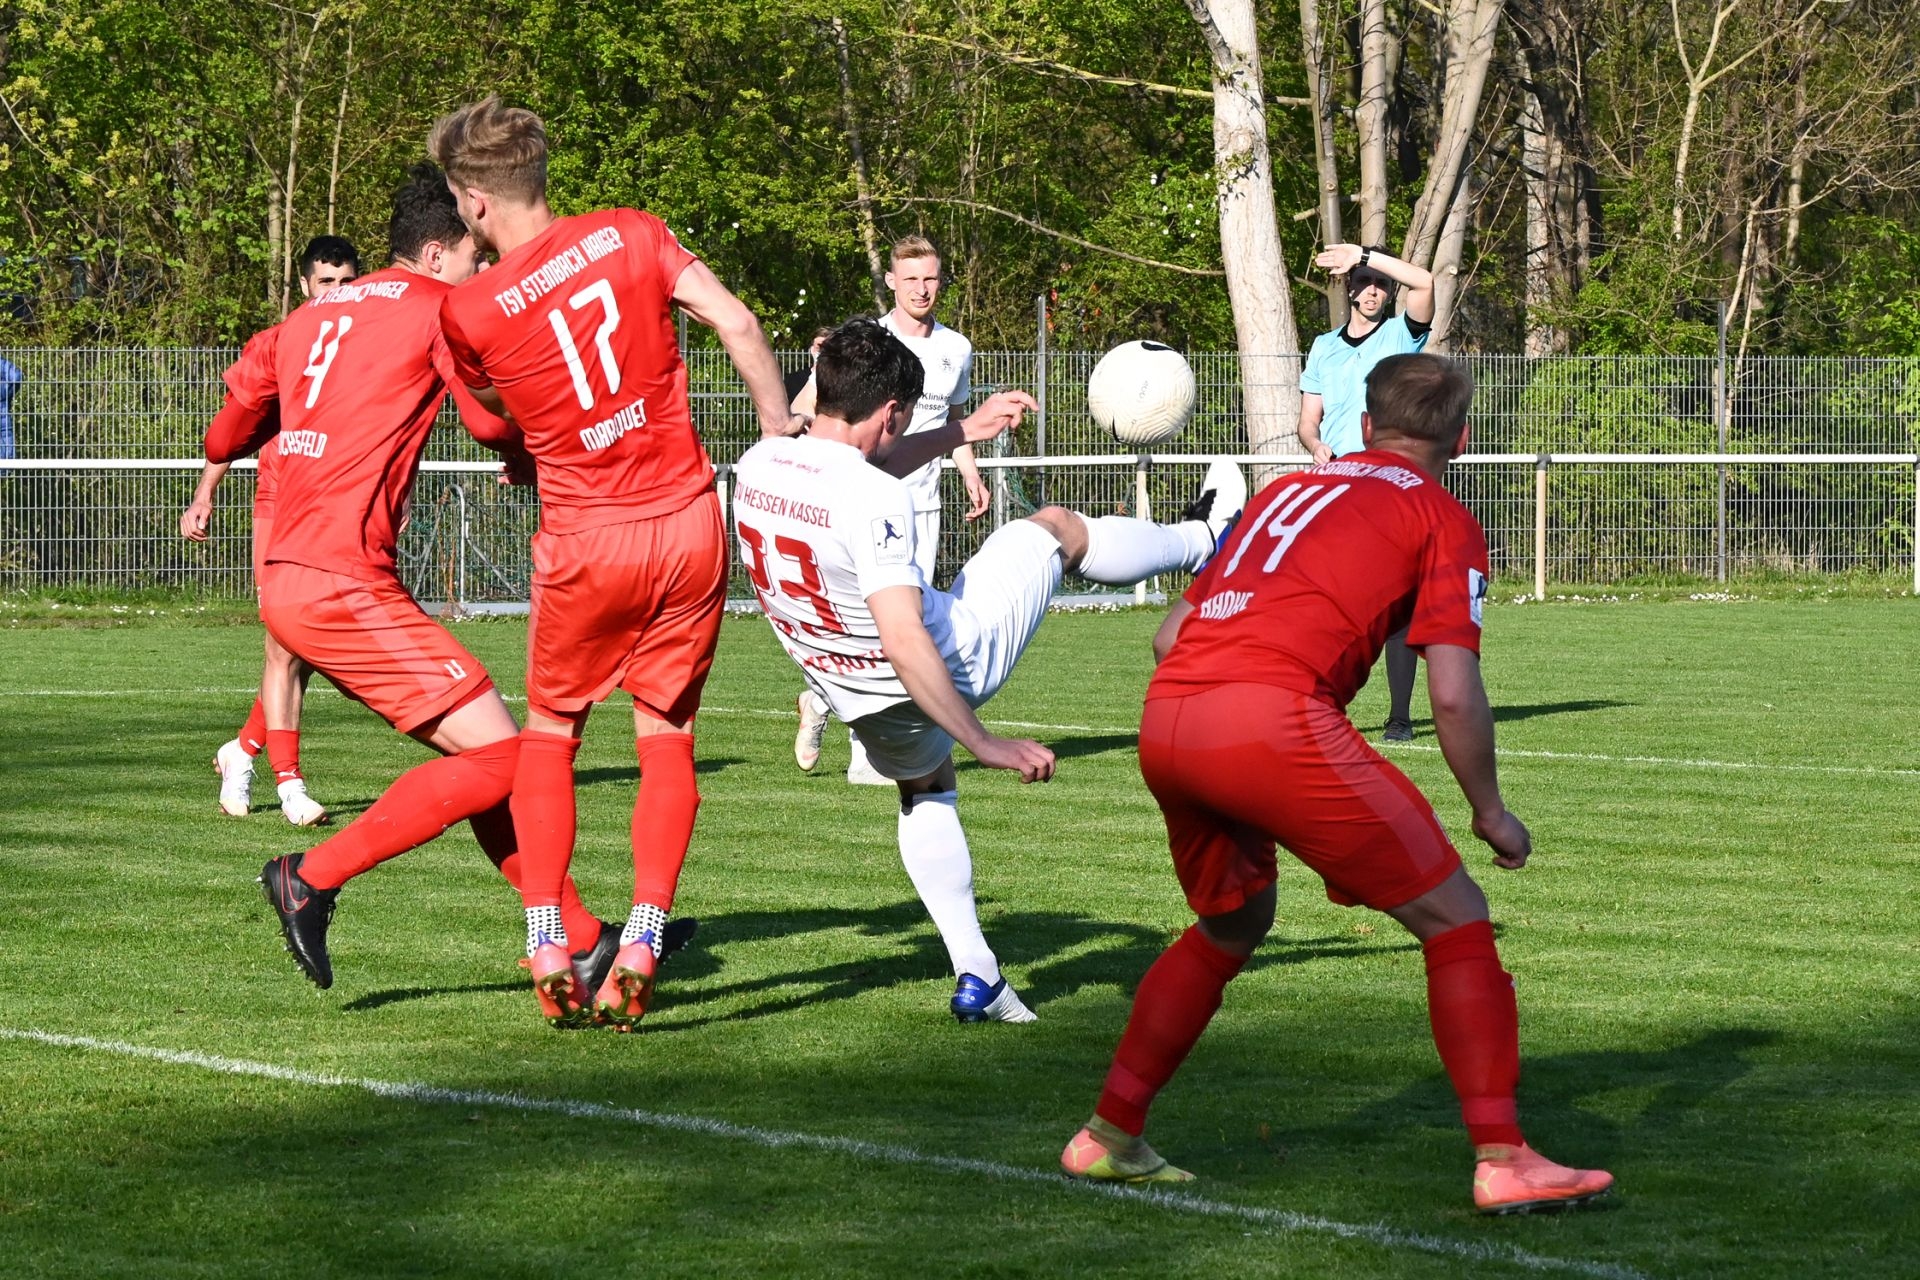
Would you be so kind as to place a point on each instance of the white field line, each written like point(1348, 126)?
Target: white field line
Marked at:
point(1281, 1220)
point(1506, 753)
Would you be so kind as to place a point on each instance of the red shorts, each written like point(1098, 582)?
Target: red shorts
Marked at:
point(634, 606)
point(372, 640)
point(1241, 767)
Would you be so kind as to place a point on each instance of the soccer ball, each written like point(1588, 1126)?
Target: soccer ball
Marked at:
point(1142, 392)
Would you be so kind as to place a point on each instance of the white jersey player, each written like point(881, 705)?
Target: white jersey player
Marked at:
point(827, 534)
point(946, 357)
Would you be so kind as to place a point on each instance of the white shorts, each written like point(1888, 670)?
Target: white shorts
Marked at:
point(926, 542)
point(996, 605)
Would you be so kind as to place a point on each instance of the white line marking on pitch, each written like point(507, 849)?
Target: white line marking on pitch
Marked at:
point(1508, 753)
point(1278, 1219)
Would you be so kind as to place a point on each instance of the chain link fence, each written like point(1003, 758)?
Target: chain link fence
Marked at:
point(107, 441)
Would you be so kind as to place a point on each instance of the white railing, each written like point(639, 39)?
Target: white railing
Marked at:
point(1589, 518)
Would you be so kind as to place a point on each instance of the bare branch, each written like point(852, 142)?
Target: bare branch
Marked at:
point(1048, 67)
point(1060, 235)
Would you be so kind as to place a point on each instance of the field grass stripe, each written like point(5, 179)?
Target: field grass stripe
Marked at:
point(1282, 1220)
point(1505, 753)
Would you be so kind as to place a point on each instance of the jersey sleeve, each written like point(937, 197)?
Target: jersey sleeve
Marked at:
point(1453, 586)
point(880, 539)
point(1310, 375)
point(481, 423)
point(963, 389)
point(466, 368)
point(253, 379)
point(658, 245)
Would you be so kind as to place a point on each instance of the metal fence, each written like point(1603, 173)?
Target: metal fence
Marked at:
point(1656, 466)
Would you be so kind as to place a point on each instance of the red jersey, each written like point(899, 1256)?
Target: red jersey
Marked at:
point(360, 374)
point(575, 330)
point(1324, 565)
point(254, 371)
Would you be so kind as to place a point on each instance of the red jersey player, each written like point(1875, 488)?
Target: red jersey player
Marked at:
point(573, 335)
point(352, 383)
point(1245, 743)
point(273, 722)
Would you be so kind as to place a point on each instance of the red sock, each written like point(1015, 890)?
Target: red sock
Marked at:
point(1476, 1027)
point(253, 734)
point(494, 830)
point(422, 802)
point(1176, 1000)
point(283, 753)
point(543, 816)
point(663, 816)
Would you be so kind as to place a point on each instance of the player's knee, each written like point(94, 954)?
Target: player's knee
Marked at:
point(1240, 931)
point(1067, 528)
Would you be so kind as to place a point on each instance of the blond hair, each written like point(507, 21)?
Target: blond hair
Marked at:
point(906, 248)
point(494, 148)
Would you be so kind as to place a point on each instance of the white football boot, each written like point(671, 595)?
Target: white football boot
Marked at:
point(301, 809)
point(235, 768)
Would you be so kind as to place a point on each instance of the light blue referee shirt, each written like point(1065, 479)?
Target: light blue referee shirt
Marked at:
point(1337, 369)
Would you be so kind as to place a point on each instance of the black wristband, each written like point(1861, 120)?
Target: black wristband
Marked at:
point(1365, 253)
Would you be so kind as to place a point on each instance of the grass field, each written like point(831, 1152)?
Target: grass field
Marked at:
point(1715, 946)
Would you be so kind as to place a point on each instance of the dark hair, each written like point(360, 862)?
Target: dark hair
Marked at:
point(861, 367)
point(336, 250)
point(423, 211)
point(1420, 396)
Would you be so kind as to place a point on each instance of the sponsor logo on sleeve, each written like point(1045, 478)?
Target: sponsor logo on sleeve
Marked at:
point(890, 544)
point(1476, 595)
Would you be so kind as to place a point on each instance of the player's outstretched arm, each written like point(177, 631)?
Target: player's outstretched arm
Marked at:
point(199, 513)
point(1463, 721)
point(917, 661)
point(979, 497)
point(700, 294)
point(999, 413)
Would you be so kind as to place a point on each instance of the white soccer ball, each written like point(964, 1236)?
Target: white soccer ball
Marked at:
point(1142, 392)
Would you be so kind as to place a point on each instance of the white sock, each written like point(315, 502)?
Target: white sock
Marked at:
point(1123, 550)
point(543, 925)
point(647, 922)
point(933, 848)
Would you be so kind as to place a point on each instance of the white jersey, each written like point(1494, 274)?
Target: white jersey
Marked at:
point(820, 530)
point(947, 358)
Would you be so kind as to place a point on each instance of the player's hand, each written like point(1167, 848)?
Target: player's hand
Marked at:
point(195, 519)
point(516, 466)
point(797, 423)
point(1322, 452)
point(979, 498)
point(997, 414)
point(1033, 762)
point(1338, 259)
point(1507, 836)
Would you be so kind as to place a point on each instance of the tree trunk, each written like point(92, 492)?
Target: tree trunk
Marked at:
point(1250, 251)
point(1376, 53)
point(862, 178)
point(1470, 28)
point(1326, 163)
point(1451, 251)
point(339, 128)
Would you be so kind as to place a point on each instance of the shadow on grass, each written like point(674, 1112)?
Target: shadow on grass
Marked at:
point(630, 775)
point(1679, 1081)
point(1060, 954)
